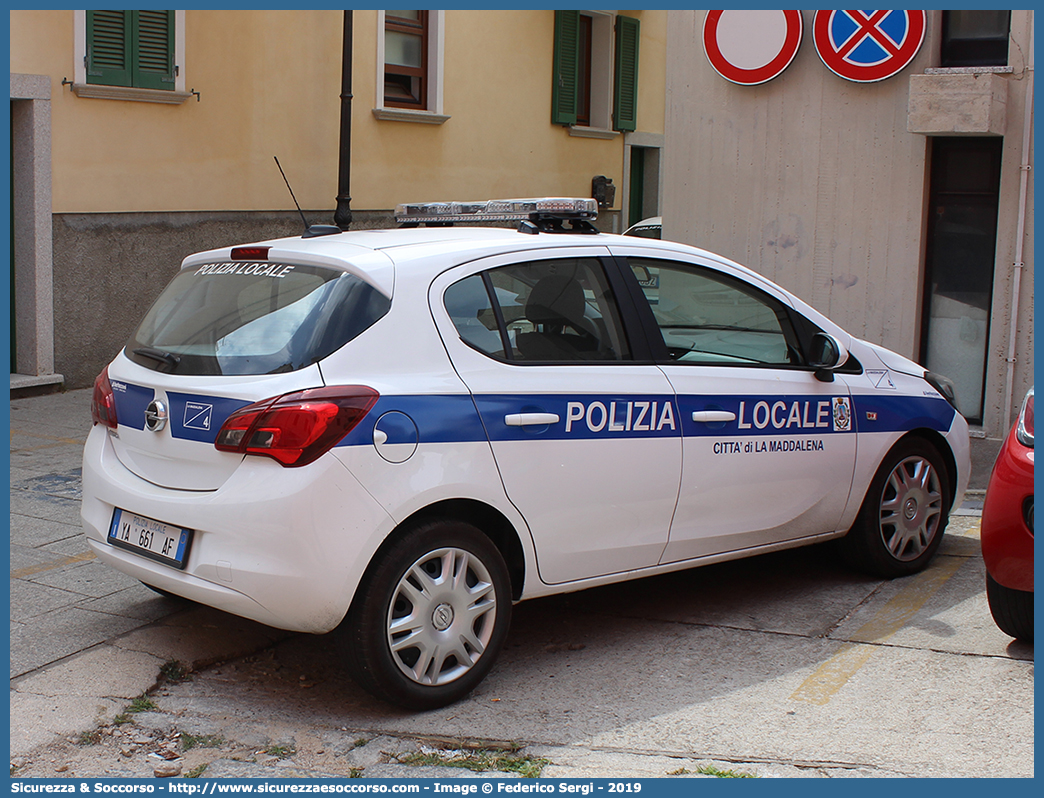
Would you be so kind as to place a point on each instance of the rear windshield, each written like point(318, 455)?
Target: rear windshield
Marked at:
point(253, 318)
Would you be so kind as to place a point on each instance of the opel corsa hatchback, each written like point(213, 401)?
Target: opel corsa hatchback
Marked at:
point(399, 433)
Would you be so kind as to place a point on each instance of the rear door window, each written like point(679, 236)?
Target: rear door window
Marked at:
point(253, 318)
point(553, 311)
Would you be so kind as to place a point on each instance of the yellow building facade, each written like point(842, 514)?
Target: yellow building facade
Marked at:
point(131, 178)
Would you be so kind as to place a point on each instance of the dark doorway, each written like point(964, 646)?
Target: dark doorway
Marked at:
point(959, 264)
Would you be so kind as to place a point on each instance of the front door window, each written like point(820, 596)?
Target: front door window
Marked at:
point(708, 319)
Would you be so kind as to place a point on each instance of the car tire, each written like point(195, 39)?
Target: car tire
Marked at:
point(904, 513)
point(1012, 609)
point(430, 617)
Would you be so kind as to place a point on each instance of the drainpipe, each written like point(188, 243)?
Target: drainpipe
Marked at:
point(1016, 283)
point(343, 213)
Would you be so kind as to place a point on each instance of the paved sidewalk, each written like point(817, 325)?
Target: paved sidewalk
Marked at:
point(85, 639)
point(62, 600)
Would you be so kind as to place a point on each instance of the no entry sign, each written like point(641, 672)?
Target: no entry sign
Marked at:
point(751, 47)
point(868, 46)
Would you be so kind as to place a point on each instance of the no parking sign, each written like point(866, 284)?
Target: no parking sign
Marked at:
point(868, 46)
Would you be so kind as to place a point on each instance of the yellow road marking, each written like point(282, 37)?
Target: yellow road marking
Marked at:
point(32, 570)
point(43, 446)
point(56, 438)
point(833, 674)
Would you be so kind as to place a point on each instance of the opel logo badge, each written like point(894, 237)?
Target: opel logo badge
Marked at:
point(155, 416)
point(442, 617)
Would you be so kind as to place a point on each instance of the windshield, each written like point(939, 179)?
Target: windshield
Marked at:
point(253, 318)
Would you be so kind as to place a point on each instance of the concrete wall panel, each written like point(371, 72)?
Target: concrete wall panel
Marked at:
point(818, 183)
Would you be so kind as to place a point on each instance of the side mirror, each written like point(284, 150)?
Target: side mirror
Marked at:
point(826, 355)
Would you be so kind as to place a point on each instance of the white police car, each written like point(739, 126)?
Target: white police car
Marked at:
point(398, 433)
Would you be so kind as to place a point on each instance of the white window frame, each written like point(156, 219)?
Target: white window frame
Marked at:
point(81, 88)
point(436, 50)
point(603, 43)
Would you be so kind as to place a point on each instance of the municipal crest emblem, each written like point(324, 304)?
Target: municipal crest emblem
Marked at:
point(842, 414)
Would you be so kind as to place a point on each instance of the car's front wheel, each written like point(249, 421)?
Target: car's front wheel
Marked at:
point(904, 514)
point(430, 617)
point(1012, 610)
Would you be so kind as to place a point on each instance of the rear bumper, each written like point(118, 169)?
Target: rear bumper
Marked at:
point(282, 546)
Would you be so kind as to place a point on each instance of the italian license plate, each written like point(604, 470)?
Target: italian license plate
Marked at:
point(150, 538)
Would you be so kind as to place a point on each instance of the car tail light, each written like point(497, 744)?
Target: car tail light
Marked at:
point(103, 402)
point(297, 428)
point(1024, 428)
point(250, 253)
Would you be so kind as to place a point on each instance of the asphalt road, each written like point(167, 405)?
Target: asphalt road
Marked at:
point(782, 665)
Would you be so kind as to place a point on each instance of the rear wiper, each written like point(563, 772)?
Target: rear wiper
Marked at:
point(169, 358)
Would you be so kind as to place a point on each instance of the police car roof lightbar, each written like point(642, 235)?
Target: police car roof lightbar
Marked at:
point(505, 210)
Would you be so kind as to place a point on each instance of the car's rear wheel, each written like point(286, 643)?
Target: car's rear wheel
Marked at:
point(904, 514)
point(430, 617)
point(1012, 610)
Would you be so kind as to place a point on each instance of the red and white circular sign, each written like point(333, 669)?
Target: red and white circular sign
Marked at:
point(867, 46)
point(751, 47)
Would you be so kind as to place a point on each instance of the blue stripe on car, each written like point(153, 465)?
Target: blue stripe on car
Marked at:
point(197, 417)
point(898, 413)
point(440, 419)
point(131, 401)
point(459, 418)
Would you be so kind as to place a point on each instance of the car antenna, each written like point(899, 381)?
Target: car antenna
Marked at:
point(311, 231)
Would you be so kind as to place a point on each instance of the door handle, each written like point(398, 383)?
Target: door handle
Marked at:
point(713, 415)
point(530, 419)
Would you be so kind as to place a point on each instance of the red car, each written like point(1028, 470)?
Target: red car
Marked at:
point(1007, 530)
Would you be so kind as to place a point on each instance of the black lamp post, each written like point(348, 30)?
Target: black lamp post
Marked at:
point(343, 213)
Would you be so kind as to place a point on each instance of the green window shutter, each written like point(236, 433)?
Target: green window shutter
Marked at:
point(131, 48)
point(565, 66)
point(154, 49)
point(625, 89)
point(109, 48)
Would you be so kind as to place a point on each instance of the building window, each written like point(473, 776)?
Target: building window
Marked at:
point(963, 200)
point(406, 59)
point(410, 66)
point(131, 48)
point(595, 70)
point(974, 38)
